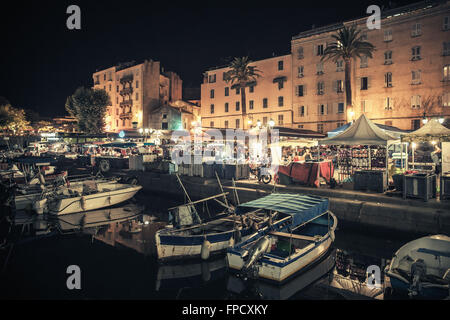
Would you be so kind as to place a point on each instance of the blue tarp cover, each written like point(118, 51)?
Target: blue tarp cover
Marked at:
point(301, 207)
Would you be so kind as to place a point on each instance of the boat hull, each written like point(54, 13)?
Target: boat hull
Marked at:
point(94, 201)
point(173, 247)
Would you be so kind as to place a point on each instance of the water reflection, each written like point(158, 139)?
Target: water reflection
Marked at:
point(131, 228)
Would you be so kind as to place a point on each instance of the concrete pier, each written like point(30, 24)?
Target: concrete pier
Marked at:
point(360, 208)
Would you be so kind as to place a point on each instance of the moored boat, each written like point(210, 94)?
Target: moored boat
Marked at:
point(214, 237)
point(421, 268)
point(88, 196)
point(279, 255)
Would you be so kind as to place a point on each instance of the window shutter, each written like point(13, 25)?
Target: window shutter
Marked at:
point(329, 108)
point(304, 89)
point(315, 50)
point(318, 109)
point(297, 90)
point(369, 80)
point(412, 102)
point(335, 85)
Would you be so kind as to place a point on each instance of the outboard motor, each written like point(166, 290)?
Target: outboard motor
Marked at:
point(255, 253)
point(418, 273)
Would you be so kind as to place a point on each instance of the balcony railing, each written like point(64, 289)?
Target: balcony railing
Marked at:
point(126, 115)
point(125, 91)
point(126, 103)
point(128, 78)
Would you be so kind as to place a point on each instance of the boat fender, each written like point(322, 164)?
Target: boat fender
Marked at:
point(83, 203)
point(206, 273)
point(205, 251)
point(231, 242)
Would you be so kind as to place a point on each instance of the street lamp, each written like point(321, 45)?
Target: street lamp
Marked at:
point(271, 123)
point(441, 120)
point(258, 123)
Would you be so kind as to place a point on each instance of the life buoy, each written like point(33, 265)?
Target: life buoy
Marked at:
point(104, 165)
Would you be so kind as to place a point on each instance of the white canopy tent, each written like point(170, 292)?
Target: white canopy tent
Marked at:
point(431, 131)
point(363, 132)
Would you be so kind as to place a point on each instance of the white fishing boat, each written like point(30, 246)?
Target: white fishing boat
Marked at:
point(421, 268)
point(278, 256)
point(88, 196)
point(26, 195)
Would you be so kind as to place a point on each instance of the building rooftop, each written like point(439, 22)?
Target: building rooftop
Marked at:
point(384, 14)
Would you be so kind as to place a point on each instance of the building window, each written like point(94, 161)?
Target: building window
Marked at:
point(320, 87)
point(265, 121)
point(388, 123)
point(364, 62)
point(227, 91)
point(300, 90)
point(446, 70)
point(339, 124)
point(265, 104)
point(300, 72)
point(416, 30)
point(117, 89)
point(319, 68)
point(238, 106)
point(320, 127)
point(388, 79)
point(137, 84)
point(164, 116)
point(117, 111)
point(388, 57)
point(97, 79)
point(123, 123)
point(300, 53)
point(110, 87)
point(388, 103)
point(226, 124)
point(280, 85)
point(415, 53)
point(280, 65)
point(364, 83)
point(226, 106)
point(415, 124)
point(104, 77)
point(415, 102)
point(446, 99)
point(301, 111)
point(250, 104)
point(211, 124)
point(280, 101)
point(416, 76)
point(339, 86)
point(322, 110)
point(212, 109)
point(388, 35)
point(251, 89)
point(211, 93)
point(446, 48)
point(238, 123)
point(137, 96)
point(300, 126)
point(212, 78)
point(319, 50)
point(117, 100)
point(339, 65)
point(280, 119)
point(340, 107)
point(446, 24)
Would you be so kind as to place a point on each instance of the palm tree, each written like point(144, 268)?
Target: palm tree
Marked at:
point(348, 45)
point(241, 74)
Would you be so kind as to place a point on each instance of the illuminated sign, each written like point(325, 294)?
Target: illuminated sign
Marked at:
point(121, 134)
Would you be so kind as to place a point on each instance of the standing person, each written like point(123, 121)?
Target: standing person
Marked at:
point(436, 157)
point(307, 154)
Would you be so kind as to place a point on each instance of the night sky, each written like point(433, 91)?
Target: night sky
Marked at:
point(42, 62)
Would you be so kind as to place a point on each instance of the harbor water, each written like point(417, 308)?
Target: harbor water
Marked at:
point(118, 261)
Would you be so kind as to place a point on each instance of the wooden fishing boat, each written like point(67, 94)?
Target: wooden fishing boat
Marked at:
point(203, 239)
point(278, 255)
point(421, 268)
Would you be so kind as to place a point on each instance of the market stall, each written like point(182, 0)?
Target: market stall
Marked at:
point(362, 155)
point(423, 183)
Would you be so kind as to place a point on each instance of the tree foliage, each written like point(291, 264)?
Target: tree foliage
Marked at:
point(348, 44)
point(88, 106)
point(12, 118)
